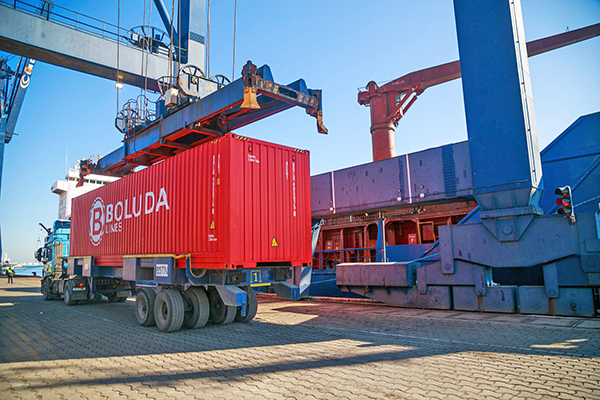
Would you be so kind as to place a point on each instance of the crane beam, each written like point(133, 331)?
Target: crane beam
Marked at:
point(390, 102)
point(87, 45)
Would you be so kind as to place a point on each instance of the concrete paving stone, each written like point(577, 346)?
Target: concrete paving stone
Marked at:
point(552, 321)
point(589, 324)
point(474, 316)
point(565, 396)
point(437, 314)
point(299, 350)
point(453, 397)
point(514, 318)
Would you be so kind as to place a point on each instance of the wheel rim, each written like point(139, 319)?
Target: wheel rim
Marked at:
point(218, 308)
point(143, 307)
point(198, 313)
point(164, 311)
point(190, 304)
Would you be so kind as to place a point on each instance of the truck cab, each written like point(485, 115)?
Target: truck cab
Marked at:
point(55, 251)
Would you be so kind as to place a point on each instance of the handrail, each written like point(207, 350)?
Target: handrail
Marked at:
point(79, 22)
point(346, 249)
point(319, 255)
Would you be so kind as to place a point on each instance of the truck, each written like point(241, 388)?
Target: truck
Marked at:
point(189, 237)
point(53, 255)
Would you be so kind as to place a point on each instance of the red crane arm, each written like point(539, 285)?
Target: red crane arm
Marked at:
point(391, 101)
point(549, 43)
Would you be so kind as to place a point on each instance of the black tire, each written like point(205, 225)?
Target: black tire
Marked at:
point(46, 290)
point(169, 310)
point(251, 306)
point(144, 307)
point(68, 294)
point(112, 298)
point(198, 316)
point(220, 314)
point(49, 291)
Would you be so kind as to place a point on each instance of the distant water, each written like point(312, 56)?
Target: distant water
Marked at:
point(29, 270)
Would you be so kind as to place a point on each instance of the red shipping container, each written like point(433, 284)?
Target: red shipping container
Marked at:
point(228, 203)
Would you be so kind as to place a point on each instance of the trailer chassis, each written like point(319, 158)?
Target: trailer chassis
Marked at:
point(167, 296)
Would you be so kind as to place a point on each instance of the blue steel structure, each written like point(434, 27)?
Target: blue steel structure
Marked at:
point(411, 185)
point(575, 153)
point(507, 257)
point(503, 143)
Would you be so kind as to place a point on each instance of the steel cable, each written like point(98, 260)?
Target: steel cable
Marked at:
point(234, 39)
point(171, 44)
point(208, 39)
point(179, 38)
point(118, 49)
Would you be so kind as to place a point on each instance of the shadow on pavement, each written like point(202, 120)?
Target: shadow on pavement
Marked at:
point(34, 330)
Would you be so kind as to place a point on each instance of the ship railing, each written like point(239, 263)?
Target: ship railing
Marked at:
point(328, 259)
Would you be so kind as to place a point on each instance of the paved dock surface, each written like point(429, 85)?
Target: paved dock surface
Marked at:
point(295, 350)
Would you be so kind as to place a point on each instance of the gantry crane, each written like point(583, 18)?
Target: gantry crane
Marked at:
point(193, 107)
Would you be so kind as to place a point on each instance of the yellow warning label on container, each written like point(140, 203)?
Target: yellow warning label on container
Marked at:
point(218, 181)
point(212, 225)
point(274, 242)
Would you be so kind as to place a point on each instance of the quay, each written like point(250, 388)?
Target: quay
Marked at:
point(292, 350)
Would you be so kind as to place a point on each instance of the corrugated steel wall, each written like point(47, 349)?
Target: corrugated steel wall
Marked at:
point(573, 158)
point(224, 202)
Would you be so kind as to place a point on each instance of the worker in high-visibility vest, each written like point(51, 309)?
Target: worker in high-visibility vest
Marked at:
point(10, 272)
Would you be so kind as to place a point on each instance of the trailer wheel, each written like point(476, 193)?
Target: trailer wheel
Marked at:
point(144, 307)
point(220, 314)
point(169, 310)
point(251, 307)
point(112, 298)
point(46, 290)
point(197, 299)
point(68, 294)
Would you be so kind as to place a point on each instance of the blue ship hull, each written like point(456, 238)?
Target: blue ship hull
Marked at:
point(323, 284)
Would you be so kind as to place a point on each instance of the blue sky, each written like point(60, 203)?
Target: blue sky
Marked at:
point(337, 46)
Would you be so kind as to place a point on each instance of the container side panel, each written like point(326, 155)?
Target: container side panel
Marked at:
point(229, 202)
point(152, 211)
point(266, 225)
point(304, 207)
